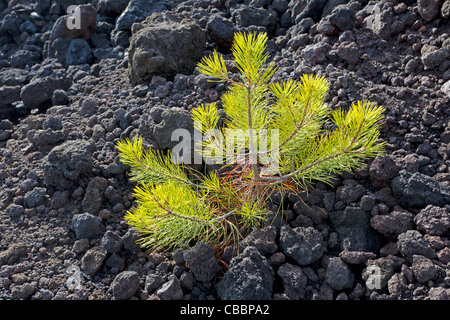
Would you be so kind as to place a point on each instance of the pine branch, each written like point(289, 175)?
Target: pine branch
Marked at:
point(150, 164)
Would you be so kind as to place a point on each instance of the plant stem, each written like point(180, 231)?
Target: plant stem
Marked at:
point(253, 153)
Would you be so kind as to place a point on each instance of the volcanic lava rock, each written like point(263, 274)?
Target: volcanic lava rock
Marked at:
point(250, 277)
point(66, 162)
point(165, 45)
point(304, 245)
point(418, 190)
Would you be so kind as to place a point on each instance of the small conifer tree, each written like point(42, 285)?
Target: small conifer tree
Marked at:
point(273, 139)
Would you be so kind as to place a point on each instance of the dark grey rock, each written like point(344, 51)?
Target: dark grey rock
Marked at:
point(429, 9)
point(172, 119)
point(338, 275)
point(432, 56)
point(72, 51)
point(438, 293)
point(294, 281)
point(120, 38)
point(250, 277)
point(28, 185)
point(52, 122)
point(418, 190)
point(329, 200)
point(129, 241)
point(14, 252)
point(315, 53)
point(147, 58)
point(445, 9)
point(315, 213)
point(80, 246)
point(397, 284)
point(59, 199)
point(423, 269)
point(382, 170)
point(29, 27)
point(6, 197)
point(66, 162)
point(22, 292)
point(14, 77)
point(45, 139)
point(41, 87)
point(349, 52)
point(140, 91)
point(93, 260)
point(433, 220)
point(109, 53)
point(304, 245)
point(171, 290)
point(298, 41)
point(8, 95)
point(162, 91)
point(367, 202)
point(152, 282)
point(353, 227)
point(87, 225)
point(302, 26)
point(391, 225)
point(165, 45)
point(280, 5)
point(62, 27)
point(343, 17)
point(87, 106)
point(114, 168)
point(112, 7)
point(386, 198)
point(222, 30)
point(246, 16)
point(15, 211)
point(262, 239)
point(180, 82)
point(203, 81)
point(125, 285)
point(327, 28)
point(351, 193)
point(25, 58)
point(35, 197)
point(5, 134)
point(187, 280)
point(11, 23)
point(112, 195)
point(308, 8)
point(115, 262)
point(413, 243)
point(202, 262)
point(380, 21)
point(138, 10)
point(112, 242)
point(93, 198)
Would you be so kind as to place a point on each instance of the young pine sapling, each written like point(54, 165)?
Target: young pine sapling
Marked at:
point(271, 140)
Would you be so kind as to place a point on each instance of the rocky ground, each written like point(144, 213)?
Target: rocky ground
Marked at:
point(68, 94)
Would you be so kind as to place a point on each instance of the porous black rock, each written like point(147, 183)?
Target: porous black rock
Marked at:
point(250, 277)
point(419, 190)
point(66, 162)
point(304, 245)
